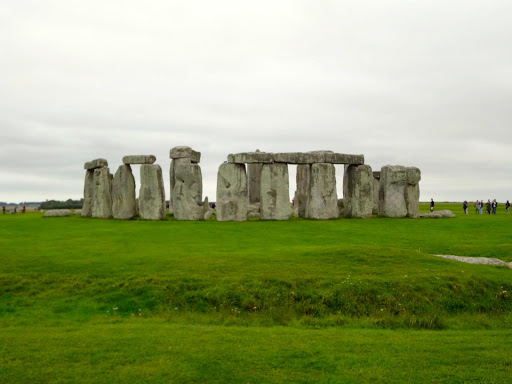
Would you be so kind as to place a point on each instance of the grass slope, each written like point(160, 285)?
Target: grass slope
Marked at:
point(207, 301)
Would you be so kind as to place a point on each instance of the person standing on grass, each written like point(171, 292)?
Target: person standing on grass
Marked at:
point(482, 206)
point(507, 207)
point(431, 205)
point(477, 207)
point(3, 209)
point(465, 206)
point(23, 209)
point(494, 206)
point(488, 207)
point(15, 209)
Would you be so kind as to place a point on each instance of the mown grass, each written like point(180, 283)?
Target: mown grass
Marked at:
point(338, 300)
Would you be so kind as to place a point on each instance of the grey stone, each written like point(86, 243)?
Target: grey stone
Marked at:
point(438, 214)
point(187, 190)
point(77, 212)
point(376, 183)
point(274, 198)
point(97, 163)
point(358, 191)
point(317, 157)
point(102, 193)
point(412, 192)
point(124, 205)
point(139, 159)
point(254, 182)
point(231, 192)
point(341, 158)
point(209, 214)
point(341, 207)
point(185, 153)
point(152, 193)
point(252, 157)
point(303, 179)
point(253, 210)
point(323, 199)
point(88, 193)
point(57, 213)
point(393, 179)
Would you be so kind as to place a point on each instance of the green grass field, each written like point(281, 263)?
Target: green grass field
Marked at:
point(91, 301)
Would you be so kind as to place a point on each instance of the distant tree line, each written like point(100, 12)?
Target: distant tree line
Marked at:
point(68, 204)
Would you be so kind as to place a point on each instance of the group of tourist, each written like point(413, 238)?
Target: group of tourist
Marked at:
point(490, 207)
point(15, 210)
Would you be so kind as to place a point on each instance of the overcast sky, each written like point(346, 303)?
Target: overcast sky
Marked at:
point(416, 83)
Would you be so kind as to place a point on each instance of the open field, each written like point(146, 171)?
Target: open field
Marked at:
point(88, 300)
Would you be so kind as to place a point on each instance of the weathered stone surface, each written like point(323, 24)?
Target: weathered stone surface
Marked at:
point(102, 193)
point(185, 153)
point(77, 212)
point(97, 163)
point(341, 158)
point(253, 210)
point(412, 192)
point(274, 198)
point(139, 159)
point(341, 207)
point(152, 193)
point(88, 193)
point(57, 213)
point(254, 182)
point(393, 179)
point(358, 191)
point(187, 191)
point(317, 157)
point(303, 179)
point(376, 183)
point(231, 192)
point(123, 194)
point(323, 199)
point(209, 214)
point(438, 214)
point(252, 157)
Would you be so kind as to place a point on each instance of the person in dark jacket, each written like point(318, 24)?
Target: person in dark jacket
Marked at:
point(494, 206)
point(465, 206)
point(482, 206)
point(488, 207)
point(507, 207)
point(431, 205)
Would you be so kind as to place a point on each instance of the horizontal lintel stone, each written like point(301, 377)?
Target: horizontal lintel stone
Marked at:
point(185, 153)
point(139, 159)
point(97, 163)
point(251, 157)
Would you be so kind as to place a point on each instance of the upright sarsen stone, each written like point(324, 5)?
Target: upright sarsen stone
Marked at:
point(187, 190)
point(274, 198)
point(303, 179)
point(123, 194)
point(393, 179)
point(152, 193)
point(412, 192)
point(254, 182)
point(88, 193)
point(231, 192)
point(102, 193)
point(323, 199)
point(358, 191)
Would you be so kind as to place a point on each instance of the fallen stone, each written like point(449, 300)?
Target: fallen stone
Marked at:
point(88, 193)
point(97, 163)
point(209, 214)
point(438, 214)
point(393, 179)
point(57, 213)
point(152, 193)
point(323, 199)
point(477, 260)
point(102, 193)
point(124, 205)
point(274, 198)
point(139, 159)
point(358, 191)
point(185, 153)
point(303, 180)
point(231, 192)
point(412, 192)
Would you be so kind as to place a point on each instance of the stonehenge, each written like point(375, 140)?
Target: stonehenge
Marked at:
point(251, 185)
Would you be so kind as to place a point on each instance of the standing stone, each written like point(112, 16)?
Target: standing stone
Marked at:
point(88, 193)
point(152, 193)
point(323, 199)
point(231, 192)
point(376, 183)
point(123, 194)
point(187, 190)
point(96, 163)
point(254, 181)
point(412, 192)
point(358, 191)
point(274, 197)
point(393, 179)
point(303, 180)
point(102, 193)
